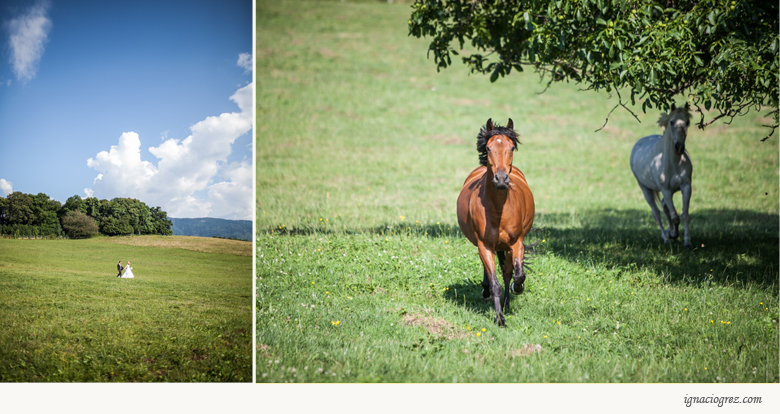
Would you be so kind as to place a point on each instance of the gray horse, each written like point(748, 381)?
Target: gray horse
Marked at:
point(661, 164)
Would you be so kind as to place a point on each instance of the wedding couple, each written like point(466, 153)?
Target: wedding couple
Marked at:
point(128, 274)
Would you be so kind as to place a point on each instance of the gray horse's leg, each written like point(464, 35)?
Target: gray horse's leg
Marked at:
point(671, 214)
point(673, 227)
point(656, 214)
point(686, 199)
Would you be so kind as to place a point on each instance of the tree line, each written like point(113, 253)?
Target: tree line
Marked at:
point(27, 215)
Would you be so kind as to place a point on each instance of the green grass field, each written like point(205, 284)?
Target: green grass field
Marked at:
point(186, 316)
point(363, 275)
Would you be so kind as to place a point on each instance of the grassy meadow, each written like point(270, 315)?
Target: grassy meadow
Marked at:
point(66, 317)
point(364, 276)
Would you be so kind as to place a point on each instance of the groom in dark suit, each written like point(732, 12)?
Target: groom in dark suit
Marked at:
point(119, 268)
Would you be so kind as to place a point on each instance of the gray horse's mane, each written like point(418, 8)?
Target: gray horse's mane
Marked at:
point(677, 113)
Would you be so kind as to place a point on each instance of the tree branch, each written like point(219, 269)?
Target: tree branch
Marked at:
point(774, 127)
point(620, 103)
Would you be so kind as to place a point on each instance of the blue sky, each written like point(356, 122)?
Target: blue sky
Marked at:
point(148, 100)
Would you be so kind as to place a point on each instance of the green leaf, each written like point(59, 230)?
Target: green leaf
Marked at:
point(638, 85)
point(494, 75)
point(707, 104)
point(711, 17)
point(698, 61)
point(601, 21)
point(619, 44)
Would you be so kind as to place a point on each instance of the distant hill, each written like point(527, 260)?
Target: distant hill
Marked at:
point(210, 227)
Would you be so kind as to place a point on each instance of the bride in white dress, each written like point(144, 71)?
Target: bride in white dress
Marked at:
point(128, 274)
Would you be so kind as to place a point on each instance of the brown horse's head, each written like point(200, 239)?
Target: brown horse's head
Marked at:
point(495, 145)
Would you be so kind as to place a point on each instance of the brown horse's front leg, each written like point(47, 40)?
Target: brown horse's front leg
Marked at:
point(518, 279)
point(506, 268)
point(489, 263)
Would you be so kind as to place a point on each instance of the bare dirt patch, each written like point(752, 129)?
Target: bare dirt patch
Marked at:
point(198, 244)
point(615, 130)
point(197, 355)
point(327, 53)
point(449, 140)
point(526, 350)
point(436, 326)
point(263, 348)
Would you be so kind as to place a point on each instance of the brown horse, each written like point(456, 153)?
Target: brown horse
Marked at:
point(496, 211)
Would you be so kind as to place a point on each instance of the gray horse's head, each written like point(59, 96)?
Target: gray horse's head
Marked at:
point(676, 124)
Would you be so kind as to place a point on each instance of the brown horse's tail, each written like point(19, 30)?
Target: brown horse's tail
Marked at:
point(530, 250)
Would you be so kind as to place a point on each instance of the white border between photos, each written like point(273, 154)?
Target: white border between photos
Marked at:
point(254, 189)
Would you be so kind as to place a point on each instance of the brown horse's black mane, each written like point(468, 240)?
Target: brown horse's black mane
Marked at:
point(484, 136)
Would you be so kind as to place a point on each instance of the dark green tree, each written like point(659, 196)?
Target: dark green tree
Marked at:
point(162, 225)
point(79, 225)
point(74, 203)
point(722, 55)
point(18, 209)
point(50, 224)
point(92, 207)
point(39, 215)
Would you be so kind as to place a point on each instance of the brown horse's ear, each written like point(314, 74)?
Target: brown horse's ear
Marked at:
point(673, 106)
point(489, 125)
point(509, 124)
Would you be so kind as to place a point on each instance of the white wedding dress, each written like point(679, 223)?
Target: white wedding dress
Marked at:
point(128, 274)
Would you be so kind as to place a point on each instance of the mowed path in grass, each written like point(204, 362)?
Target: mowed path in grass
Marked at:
point(65, 316)
point(363, 275)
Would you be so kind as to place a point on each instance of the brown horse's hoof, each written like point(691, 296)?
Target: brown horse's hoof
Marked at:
point(517, 291)
point(485, 296)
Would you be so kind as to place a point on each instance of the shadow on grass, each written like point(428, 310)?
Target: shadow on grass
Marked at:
point(730, 246)
point(388, 229)
point(733, 247)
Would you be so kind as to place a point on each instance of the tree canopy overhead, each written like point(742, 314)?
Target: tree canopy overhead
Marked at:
point(721, 54)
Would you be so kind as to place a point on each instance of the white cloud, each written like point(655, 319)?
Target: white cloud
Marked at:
point(28, 35)
point(229, 198)
point(6, 186)
point(194, 164)
point(245, 61)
